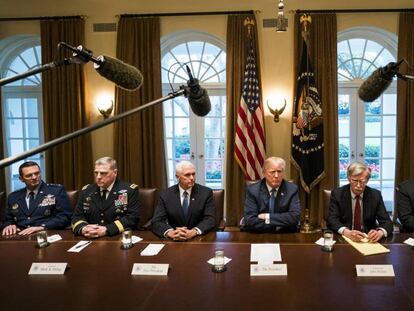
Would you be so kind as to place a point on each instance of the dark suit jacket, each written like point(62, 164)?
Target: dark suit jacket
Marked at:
point(405, 204)
point(169, 213)
point(120, 211)
point(52, 208)
point(287, 211)
point(373, 210)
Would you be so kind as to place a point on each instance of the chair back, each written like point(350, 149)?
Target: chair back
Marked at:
point(73, 198)
point(218, 198)
point(326, 200)
point(148, 198)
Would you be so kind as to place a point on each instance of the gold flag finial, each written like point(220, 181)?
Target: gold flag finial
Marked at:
point(249, 23)
point(305, 20)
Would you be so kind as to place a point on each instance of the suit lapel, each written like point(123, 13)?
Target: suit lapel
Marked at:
point(192, 203)
point(347, 199)
point(177, 204)
point(264, 194)
point(22, 202)
point(38, 199)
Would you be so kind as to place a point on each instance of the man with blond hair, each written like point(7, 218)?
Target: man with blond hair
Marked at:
point(272, 204)
point(186, 209)
point(355, 209)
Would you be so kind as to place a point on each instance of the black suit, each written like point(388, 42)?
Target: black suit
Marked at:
point(373, 210)
point(169, 213)
point(405, 204)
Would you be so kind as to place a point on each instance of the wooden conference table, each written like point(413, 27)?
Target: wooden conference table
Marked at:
point(100, 277)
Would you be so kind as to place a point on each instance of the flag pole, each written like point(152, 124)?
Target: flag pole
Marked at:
point(306, 225)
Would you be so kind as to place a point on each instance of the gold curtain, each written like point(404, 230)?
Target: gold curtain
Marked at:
point(322, 48)
point(139, 139)
point(64, 105)
point(235, 64)
point(405, 101)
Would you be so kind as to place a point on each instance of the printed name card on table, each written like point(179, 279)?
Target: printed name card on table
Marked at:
point(375, 270)
point(150, 269)
point(39, 268)
point(265, 270)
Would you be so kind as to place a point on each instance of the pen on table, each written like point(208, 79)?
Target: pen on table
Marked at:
point(83, 244)
point(142, 248)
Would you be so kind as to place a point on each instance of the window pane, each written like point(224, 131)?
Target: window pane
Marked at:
point(168, 108)
point(30, 108)
point(372, 126)
point(372, 147)
point(389, 103)
point(182, 127)
point(343, 104)
point(168, 122)
point(388, 169)
point(15, 127)
point(182, 149)
point(32, 128)
point(374, 165)
point(373, 108)
point(169, 147)
point(389, 126)
point(31, 143)
point(13, 108)
point(389, 147)
point(16, 146)
point(343, 128)
point(181, 108)
point(213, 170)
point(213, 148)
point(212, 127)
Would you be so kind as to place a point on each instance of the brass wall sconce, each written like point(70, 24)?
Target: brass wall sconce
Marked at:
point(276, 112)
point(105, 108)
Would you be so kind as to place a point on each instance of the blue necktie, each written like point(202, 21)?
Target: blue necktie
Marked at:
point(185, 204)
point(31, 201)
point(272, 201)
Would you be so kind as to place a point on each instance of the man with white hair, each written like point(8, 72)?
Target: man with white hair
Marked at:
point(355, 209)
point(272, 204)
point(186, 209)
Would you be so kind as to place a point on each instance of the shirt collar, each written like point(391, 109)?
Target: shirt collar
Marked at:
point(35, 191)
point(269, 188)
point(109, 188)
point(353, 195)
point(182, 191)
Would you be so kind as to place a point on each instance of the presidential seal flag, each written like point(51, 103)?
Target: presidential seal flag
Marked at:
point(307, 132)
point(249, 147)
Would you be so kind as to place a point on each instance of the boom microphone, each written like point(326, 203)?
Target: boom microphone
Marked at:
point(197, 96)
point(123, 75)
point(378, 82)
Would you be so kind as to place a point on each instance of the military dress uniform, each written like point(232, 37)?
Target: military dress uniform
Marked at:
point(51, 208)
point(118, 212)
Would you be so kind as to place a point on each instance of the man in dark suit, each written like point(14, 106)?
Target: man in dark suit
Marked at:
point(38, 206)
point(272, 204)
point(108, 207)
point(405, 204)
point(184, 210)
point(355, 209)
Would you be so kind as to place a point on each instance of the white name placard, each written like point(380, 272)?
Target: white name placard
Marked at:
point(48, 268)
point(150, 269)
point(374, 270)
point(264, 270)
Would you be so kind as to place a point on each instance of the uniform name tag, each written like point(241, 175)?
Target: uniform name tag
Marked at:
point(150, 269)
point(48, 268)
point(264, 270)
point(374, 270)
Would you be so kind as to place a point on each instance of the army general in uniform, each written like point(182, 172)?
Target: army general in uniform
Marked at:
point(38, 206)
point(108, 207)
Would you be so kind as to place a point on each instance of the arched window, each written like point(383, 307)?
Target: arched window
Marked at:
point(367, 131)
point(21, 102)
point(187, 136)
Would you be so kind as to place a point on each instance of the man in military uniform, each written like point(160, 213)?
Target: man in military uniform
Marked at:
point(108, 207)
point(38, 206)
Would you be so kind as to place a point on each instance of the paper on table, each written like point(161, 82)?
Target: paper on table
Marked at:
point(265, 253)
point(54, 238)
point(152, 249)
point(79, 246)
point(320, 242)
point(409, 241)
point(136, 239)
point(226, 260)
point(366, 248)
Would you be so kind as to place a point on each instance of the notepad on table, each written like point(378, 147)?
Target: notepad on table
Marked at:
point(367, 248)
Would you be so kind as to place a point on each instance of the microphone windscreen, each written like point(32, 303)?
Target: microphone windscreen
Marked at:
point(123, 75)
point(199, 101)
point(374, 85)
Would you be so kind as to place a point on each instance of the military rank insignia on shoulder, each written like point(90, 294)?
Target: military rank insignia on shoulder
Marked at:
point(84, 187)
point(133, 186)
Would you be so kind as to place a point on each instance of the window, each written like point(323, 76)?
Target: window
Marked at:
point(187, 136)
point(22, 102)
point(367, 131)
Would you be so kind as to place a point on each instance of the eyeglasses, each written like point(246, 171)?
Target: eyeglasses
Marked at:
point(362, 182)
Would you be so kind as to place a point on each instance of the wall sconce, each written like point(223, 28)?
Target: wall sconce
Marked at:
point(281, 20)
point(276, 112)
point(105, 107)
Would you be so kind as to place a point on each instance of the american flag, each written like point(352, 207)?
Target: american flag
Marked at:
point(250, 144)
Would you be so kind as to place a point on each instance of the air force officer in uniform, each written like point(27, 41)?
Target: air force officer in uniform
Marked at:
point(38, 206)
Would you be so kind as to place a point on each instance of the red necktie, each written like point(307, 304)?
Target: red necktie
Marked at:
point(357, 214)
